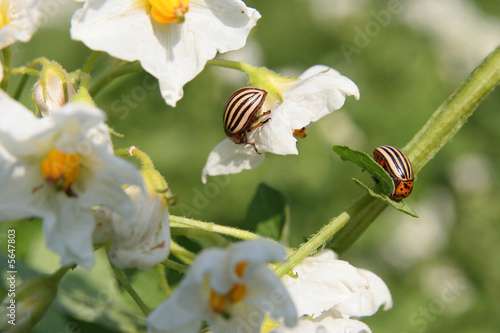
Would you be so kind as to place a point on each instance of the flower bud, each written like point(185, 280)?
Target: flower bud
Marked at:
point(53, 89)
point(24, 307)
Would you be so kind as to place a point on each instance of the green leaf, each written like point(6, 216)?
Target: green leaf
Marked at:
point(267, 214)
point(399, 205)
point(367, 163)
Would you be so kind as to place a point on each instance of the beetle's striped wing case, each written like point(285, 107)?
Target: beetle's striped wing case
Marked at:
point(397, 164)
point(241, 112)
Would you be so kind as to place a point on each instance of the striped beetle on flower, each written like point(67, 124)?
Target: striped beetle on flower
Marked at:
point(241, 114)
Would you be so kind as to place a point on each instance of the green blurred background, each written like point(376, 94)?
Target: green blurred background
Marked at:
point(406, 58)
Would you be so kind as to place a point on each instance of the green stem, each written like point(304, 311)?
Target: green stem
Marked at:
point(120, 276)
point(20, 87)
point(454, 112)
point(124, 70)
point(242, 66)
point(91, 61)
point(25, 70)
point(59, 274)
point(208, 226)
point(146, 161)
point(444, 123)
point(216, 239)
point(7, 57)
point(175, 266)
point(162, 276)
point(183, 254)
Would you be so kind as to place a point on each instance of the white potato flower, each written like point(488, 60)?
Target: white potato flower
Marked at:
point(319, 91)
point(172, 39)
point(231, 289)
point(58, 168)
point(325, 287)
point(147, 242)
point(19, 20)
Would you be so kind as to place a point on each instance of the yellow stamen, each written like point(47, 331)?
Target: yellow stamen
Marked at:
point(4, 12)
point(217, 302)
point(238, 293)
point(240, 268)
point(61, 169)
point(169, 11)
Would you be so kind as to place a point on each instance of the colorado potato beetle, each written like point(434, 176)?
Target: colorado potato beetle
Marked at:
point(241, 113)
point(398, 166)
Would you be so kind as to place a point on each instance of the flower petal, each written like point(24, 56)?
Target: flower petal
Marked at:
point(228, 157)
point(321, 93)
point(267, 291)
point(366, 301)
point(321, 284)
point(25, 18)
point(69, 232)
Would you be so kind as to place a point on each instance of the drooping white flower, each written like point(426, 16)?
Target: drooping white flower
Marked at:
point(59, 168)
point(319, 91)
point(19, 19)
point(143, 245)
point(328, 287)
point(326, 325)
point(172, 39)
point(231, 289)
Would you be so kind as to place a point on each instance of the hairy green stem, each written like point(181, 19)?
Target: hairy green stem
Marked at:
point(91, 61)
point(7, 57)
point(175, 266)
point(242, 66)
point(162, 276)
point(208, 226)
point(320, 238)
point(197, 233)
point(25, 70)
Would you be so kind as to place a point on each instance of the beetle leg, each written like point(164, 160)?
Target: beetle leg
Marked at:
point(253, 144)
point(259, 124)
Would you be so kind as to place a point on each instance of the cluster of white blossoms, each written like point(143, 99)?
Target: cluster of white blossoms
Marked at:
point(233, 290)
point(61, 168)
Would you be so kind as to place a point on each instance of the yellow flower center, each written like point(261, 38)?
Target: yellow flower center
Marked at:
point(169, 11)
point(221, 304)
point(4, 12)
point(61, 170)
